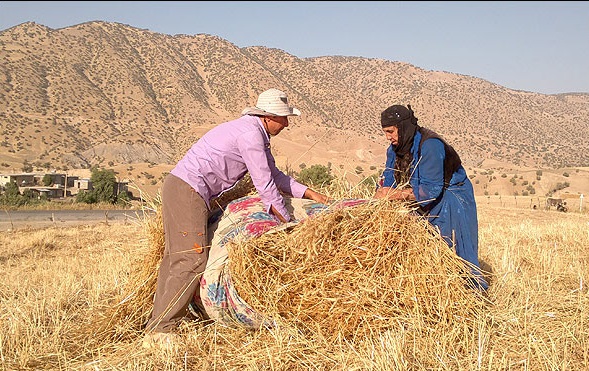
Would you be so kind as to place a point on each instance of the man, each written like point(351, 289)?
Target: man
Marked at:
point(213, 165)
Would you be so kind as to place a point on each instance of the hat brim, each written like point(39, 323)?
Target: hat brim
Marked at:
point(260, 112)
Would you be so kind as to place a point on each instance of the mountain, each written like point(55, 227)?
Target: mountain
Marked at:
point(110, 94)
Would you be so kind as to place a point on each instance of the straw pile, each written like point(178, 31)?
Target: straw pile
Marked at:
point(356, 271)
point(345, 274)
point(124, 316)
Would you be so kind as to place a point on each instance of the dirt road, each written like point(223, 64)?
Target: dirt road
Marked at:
point(10, 220)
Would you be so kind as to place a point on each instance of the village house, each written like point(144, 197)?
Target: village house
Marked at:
point(52, 185)
point(49, 185)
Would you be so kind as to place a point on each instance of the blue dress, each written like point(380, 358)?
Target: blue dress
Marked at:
point(455, 214)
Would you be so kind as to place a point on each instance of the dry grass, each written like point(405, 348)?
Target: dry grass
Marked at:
point(354, 272)
point(76, 298)
point(70, 205)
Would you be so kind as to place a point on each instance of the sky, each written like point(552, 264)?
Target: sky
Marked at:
point(537, 46)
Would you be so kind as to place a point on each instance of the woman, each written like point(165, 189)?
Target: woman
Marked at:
point(423, 168)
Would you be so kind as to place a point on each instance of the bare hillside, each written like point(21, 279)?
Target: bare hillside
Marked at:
point(113, 95)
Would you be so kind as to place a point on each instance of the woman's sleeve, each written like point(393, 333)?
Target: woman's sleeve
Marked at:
point(431, 171)
point(389, 172)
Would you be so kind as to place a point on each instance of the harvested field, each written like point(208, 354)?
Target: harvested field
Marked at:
point(76, 298)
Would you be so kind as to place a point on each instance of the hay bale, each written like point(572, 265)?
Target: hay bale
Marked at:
point(355, 271)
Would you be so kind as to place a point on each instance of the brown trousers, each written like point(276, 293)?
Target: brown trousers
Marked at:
point(185, 215)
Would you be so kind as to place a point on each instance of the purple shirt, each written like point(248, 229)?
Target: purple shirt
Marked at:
point(225, 153)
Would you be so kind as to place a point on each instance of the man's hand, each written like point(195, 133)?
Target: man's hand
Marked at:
point(277, 214)
point(316, 196)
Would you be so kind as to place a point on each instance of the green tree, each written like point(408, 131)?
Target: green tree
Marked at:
point(103, 185)
point(11, 189)
point(123, 198)
point(47, 181)
point(28, 193)
point(12, 196)
point(86, 197)
point(317, 175)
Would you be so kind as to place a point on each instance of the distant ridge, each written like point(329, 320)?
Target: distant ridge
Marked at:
point(108, 94)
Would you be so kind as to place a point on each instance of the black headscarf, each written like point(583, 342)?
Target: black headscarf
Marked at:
point(404, 119)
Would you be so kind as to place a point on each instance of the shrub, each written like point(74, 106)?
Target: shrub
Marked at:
point(317, 175)
point(86, 197)
point(47, 181)
point(27, 167)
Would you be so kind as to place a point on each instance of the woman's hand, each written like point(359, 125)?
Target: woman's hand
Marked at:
point(383, 192)
point(389, 193)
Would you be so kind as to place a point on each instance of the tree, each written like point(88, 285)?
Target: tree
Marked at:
point(86, 197)
point(123, 198)
point(11, 189)
point(12, 196)
point(103, 185)
point(317, 175)
point(47, 181)
point(28, 194)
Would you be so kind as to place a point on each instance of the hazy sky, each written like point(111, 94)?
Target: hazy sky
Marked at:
point(538, 46)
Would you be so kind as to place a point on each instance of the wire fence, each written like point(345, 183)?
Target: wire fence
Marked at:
point(574, 203)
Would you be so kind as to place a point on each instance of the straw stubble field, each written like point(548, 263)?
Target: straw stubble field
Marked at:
point(76, 298)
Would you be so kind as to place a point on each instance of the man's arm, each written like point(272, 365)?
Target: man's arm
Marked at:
point(277, 214)
point(316, 196)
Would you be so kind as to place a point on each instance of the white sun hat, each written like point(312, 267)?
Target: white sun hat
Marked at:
point(272, 102)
